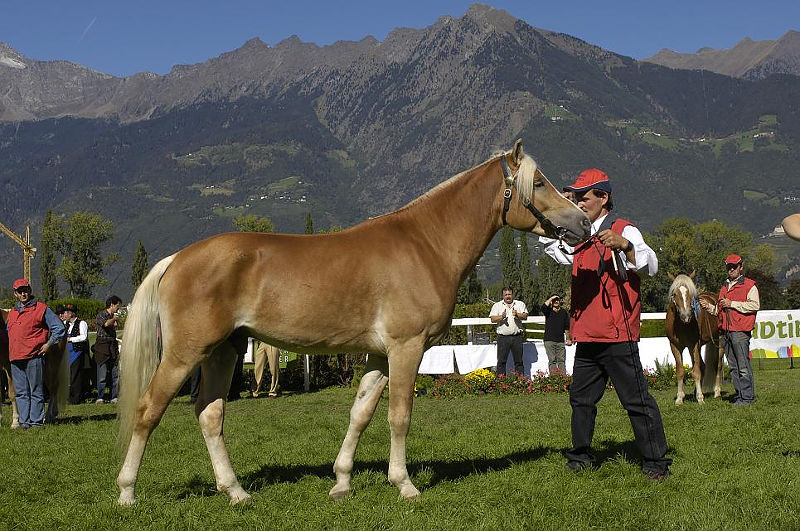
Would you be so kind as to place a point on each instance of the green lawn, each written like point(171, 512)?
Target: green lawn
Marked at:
point(480, 462)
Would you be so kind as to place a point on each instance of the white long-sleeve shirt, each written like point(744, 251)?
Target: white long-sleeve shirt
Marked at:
point(646, 259)
point(83, 332)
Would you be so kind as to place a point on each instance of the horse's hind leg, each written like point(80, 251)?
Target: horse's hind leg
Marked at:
point(718, 380)
point(372, 384)
point(697, 373)
point(678, 355)
point(12, 396)
point(215, 381)
point(166, 382)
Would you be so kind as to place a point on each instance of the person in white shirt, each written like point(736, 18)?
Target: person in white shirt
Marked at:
point(605, 310)
point(78, 337)
point(508, 315)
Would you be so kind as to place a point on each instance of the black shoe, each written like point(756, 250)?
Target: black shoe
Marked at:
point(657, 475)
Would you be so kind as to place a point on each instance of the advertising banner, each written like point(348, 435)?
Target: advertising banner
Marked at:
point(776, 334)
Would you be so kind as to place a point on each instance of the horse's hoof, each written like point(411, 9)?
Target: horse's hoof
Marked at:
point(339, 493)
point(240, 498)
point(126, 499)
point(409, 492)
point(678, 401)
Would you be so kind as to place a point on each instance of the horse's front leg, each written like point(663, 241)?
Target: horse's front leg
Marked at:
point(718, 380)
point(376, 375)
point(678, 355)
point(403, 366)
point(697, 372)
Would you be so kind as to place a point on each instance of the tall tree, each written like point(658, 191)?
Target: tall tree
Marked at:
point(683, 247)
point(80, 240)
point(309, 224)
point(140, 265)
point(508, 258)
point(470, 291)
point(48, 244)
point(551, 279)
point(253, 223)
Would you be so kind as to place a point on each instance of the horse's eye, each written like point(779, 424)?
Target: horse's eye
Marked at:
point(538, 183)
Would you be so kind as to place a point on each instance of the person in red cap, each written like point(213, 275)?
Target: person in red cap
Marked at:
point(736, 310)
point(605, 318)
point(33, 329)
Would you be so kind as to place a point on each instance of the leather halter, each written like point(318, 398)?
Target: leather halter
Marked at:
point(511, 182)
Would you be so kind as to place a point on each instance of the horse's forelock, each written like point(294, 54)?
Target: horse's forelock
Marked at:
point(526, 177)
point(685, 281)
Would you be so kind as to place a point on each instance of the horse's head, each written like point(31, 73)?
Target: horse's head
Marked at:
point(540, 208)
point(681, 294)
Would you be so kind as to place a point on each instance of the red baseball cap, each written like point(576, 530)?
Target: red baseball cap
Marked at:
point(591, 178)
point(21, 283)
point(733, 259)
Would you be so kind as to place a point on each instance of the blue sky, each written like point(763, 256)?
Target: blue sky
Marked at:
point(125, 37)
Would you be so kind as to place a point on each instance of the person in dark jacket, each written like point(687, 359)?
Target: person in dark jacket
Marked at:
point(556, 334)
point(33, 330)
point(106, 349)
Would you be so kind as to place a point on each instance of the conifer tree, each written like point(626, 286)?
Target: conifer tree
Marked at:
point(140, 265)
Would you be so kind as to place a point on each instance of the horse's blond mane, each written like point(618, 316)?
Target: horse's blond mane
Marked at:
point(683, 280)
point(525, 179)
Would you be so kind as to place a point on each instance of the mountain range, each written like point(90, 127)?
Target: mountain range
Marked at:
point(749, 59)
point(356, 129)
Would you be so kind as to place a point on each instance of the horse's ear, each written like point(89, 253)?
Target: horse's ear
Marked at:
point(517, 153)
point(693, 273)
point(671, 276)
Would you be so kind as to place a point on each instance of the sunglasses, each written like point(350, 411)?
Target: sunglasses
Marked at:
point(733, 266)
point(23, 290)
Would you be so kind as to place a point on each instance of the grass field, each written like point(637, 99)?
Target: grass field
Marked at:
point(481, 462)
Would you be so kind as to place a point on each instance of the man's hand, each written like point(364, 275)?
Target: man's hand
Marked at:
point(725, 303)
point(44, 348)
point(611, 239)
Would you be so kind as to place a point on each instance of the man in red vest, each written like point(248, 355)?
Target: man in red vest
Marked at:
point(33, 329)
point(605, 320)
point(736, 310)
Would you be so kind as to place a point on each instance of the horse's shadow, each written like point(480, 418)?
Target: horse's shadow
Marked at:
point(439, 470)
point(80, 419)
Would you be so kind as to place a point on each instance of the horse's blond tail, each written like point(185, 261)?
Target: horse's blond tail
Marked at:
point(141, 350)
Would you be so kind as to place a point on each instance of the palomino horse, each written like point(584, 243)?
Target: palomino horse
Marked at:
point(56, 377)
point(386, 286)
point(686, 329)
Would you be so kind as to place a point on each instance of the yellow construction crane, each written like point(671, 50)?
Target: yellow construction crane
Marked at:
point(28, 251)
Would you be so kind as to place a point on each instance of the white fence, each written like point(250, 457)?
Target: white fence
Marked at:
point(446, 359)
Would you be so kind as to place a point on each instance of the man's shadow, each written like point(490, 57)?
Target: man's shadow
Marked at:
point(440, 471)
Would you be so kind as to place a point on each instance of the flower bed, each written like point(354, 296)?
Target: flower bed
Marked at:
point(485, 382)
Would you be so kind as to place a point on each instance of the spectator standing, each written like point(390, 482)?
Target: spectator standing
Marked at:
point(106, 349)
point(266, 353)
point(508, 315)
point(78, 346)
point(605, 322)
point(556, 334)
point(33, 330)
point(736, 310)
